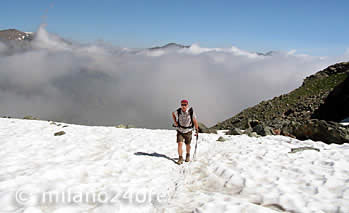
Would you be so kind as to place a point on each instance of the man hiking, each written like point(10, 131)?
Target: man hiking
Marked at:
point(184, 119)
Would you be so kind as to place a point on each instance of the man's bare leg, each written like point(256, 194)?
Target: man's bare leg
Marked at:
point(180, 153)
point(180, 150)
point(187, 146)
point(187, 157)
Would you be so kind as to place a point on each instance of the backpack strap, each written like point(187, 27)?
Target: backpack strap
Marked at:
point(191, 112)
point(179, 111)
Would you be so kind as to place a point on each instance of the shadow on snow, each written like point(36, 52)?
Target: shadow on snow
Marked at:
point(155, 154)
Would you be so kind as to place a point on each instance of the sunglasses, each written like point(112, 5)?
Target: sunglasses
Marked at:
point(184, 104)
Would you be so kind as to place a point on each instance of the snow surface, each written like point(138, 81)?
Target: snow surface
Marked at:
point(345, 122)
point(242, 174)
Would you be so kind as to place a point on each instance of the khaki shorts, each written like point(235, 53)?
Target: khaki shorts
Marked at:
point(184, 137)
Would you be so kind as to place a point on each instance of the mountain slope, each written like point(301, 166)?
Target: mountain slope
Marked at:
point(298, 106)
point(15, 35)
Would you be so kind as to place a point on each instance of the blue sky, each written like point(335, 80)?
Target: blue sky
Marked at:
point(312, 27)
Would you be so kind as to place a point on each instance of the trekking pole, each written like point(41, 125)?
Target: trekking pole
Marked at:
point(196, 145)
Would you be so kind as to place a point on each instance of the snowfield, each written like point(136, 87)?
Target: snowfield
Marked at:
point(134, 170)
point(345, 122)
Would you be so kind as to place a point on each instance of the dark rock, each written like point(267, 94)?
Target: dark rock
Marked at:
point(205, 129)
point(252, 123)
point(280, 123)
point(234, 131)
point(29, 117)
point(288, 112)
point(59, 133)
point(221, 139)
point(336, 105)
point(299, 149)
point(262, 130)
point(320, 130)
point(128, 126)
point(288, 134)
point(253, 134)
point(248, 131)
point(288, 127)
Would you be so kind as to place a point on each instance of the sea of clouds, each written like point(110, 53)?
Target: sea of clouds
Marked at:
point(101, 84)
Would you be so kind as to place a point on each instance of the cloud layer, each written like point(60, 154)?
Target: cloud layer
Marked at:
point(100, 84)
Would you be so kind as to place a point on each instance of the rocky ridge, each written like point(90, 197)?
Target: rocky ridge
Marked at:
point(315, 107)
point(15, 35)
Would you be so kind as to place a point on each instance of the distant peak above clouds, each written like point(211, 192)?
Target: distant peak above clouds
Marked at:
point(56, 41)
point(196, 48)
point(15, 35)
point(170, 45)
point(270, 53)
point(101, 84)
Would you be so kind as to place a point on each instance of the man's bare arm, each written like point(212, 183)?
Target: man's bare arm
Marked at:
point(196, 124)
point(174, 118)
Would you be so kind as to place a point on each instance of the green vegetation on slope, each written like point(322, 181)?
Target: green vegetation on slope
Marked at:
point(297, 105)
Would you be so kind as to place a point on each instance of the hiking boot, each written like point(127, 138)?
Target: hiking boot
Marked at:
point(187, 158)
point(180, 160)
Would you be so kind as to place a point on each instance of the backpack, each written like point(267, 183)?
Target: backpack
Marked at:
point(179, 111)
